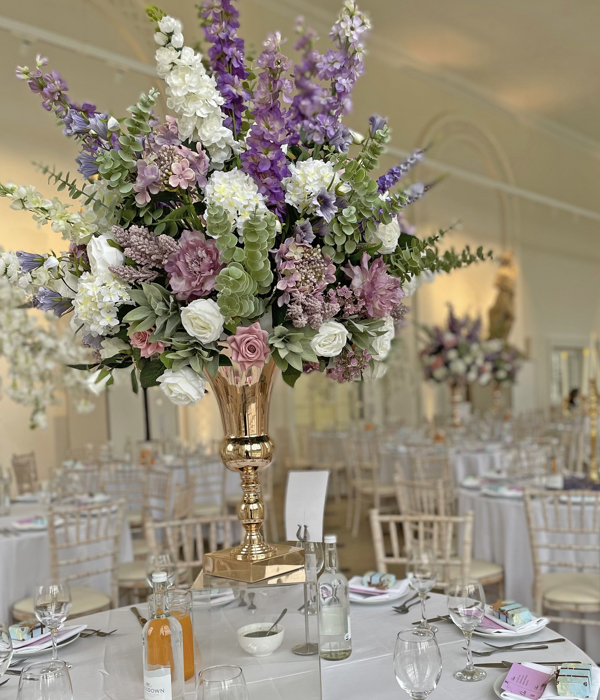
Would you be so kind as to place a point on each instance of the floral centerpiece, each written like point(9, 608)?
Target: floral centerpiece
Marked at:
point(246, 225)
point(502, 362)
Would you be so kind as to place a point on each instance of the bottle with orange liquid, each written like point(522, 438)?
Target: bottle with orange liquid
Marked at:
point(180, 604)
point(163, 648)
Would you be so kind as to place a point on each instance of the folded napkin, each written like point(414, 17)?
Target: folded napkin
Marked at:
point(493, 625)
point(44, 641)
point(35, 522)
point(358, 591)
point(551, 693)
point(25, 498)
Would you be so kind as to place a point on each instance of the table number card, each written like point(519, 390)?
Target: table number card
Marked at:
point(526, 682)
point(305, 504)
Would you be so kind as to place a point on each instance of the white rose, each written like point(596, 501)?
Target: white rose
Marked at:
point(388, 235)
point(95, 386)
point(203, 320)
point(330, 339)
point(383, 343)
point(102, 255)
point(184, 387)
point(439, 374)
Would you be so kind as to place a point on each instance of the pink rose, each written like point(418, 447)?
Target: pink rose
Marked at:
point(141, 340)
point(249, 346)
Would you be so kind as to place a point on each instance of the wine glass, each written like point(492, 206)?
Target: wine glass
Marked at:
point(52, 605)
point(421, 571)
point(222, 683)
point(161, 561)
point(47, 680)
point(466, 605)
point(417, 662)
point(6, 648)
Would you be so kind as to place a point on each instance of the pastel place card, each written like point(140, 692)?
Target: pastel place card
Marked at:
point(526, 682)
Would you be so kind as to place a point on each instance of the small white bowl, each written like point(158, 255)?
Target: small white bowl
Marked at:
point(260, 646)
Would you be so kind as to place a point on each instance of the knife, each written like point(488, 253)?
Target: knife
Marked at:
point(142, 620)
point(441, 618)
point(508, 664)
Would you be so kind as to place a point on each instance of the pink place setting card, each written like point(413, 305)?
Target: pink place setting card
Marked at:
point(488, 623)
point(526, 682)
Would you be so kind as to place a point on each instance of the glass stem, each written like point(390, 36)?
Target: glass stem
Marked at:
point(54, 633)
point(468, 636)
point(423, 597)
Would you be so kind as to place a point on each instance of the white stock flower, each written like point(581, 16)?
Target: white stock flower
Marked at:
point(97, 301)
point(102, 255)
point(388, 235)
point(330, 339)
point(184, 387)
point(307, 179)
point(236, 192)
point(382, 344)
point(203, 320)
point(169, 25)
point(95, 386)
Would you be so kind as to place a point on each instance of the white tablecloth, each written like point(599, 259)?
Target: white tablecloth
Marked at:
point(111, 668)
point(477, 462)
point(25, 559)
point(500, 535)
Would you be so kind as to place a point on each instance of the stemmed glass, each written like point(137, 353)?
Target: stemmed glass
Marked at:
point(6, 648)
point(161, 561)
point(222, 683)
point(422, 573)
point(417, 662)
point(47, 680)
point(466, 605)
point(52, 605)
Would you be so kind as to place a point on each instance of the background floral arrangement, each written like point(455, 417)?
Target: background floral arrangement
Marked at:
point(503, 361)
point(38, 354)
point(239, 228)
point(454, 354)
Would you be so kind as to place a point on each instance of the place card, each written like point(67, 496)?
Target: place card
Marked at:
point(526, 682)
point(305, 504)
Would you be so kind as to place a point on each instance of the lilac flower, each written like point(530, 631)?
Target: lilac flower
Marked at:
point(182, 175)
point(379, 291)
point(194, 266)
point(29, 261)
point(147, 181)
point(327, 204)
point(393, 175)
point(48, 300)
point(168, 134)
point(377, 123)
point(348, 366)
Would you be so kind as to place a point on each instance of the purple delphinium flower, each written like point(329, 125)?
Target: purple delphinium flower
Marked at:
point(372, 284)
point(394, 175)
point(220, 22)
point(49, 300)
point(327, 204)
point(29, 261)
point(194, 266)
point(377, 123)
point(264, 160)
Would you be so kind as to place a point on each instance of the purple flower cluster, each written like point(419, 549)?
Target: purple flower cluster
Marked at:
point(193, 267)
point(49, 300)
point(395, 174)
point(264, 160)
point(349, 365)
point(227, 58)
point(380, 292)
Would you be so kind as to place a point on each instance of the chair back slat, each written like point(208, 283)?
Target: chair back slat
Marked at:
point(25, 471)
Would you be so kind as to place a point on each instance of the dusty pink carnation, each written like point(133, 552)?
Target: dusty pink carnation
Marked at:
point(380, 292)
point(249, 347)
point(193, 268)
point(147, 348)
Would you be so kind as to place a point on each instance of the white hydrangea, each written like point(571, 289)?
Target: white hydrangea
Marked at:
point(192, 93)
point(97, 301)
point(236, 192)
point(307, 179)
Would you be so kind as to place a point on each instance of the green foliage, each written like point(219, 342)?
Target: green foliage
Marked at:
point(155, 13)
point(64, 183)
point(364, 331)
point(116, 166)
point(237, 293)
point(156, 308)
point(259, 233)
point(219, 227)
point(186, 351)
point(290, 348)
point(150, 371)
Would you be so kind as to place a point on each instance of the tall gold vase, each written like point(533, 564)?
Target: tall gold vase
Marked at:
point(243, 397)
point(456, 397)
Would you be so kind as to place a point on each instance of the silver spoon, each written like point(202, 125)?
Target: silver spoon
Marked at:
point(271, 628)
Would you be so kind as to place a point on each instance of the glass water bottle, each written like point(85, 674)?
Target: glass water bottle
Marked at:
point(335, 638)
point(163, 648)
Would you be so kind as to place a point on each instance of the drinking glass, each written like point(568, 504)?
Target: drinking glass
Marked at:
point(161, 561)
point(421, 571)
point(417, 662)
point(6, 648)
point(52, 605)
point(466, 605)
point(222, 683)
point(45, 680)
point(180, 607)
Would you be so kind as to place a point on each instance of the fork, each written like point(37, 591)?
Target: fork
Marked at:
point(251, 599)
point(531, 647)
point(403, 609)
point(520, 644)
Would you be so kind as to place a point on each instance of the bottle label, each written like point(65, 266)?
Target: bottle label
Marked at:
point(157, 684)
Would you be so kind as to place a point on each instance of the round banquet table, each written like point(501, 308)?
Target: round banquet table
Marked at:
point(25, 559)
point(477, 461)
point(111, 667)
point(500, 535)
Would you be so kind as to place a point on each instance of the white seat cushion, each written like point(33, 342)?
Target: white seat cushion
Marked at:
point(132, 572)
point(483, 570)
point(84, 600)
point(140, 548)
point(567, 587)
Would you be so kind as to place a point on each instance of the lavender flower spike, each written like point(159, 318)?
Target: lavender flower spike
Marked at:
point(394, 175)
point(48, 300)
point(29, 261)
point(377, 123)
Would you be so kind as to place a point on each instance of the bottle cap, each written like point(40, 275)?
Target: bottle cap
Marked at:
point(330, 539)
point(159, 576)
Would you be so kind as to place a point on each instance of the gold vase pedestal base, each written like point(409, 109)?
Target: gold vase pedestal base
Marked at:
point(285, 565)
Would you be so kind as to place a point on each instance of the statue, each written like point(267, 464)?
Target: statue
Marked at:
point(502, 313)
